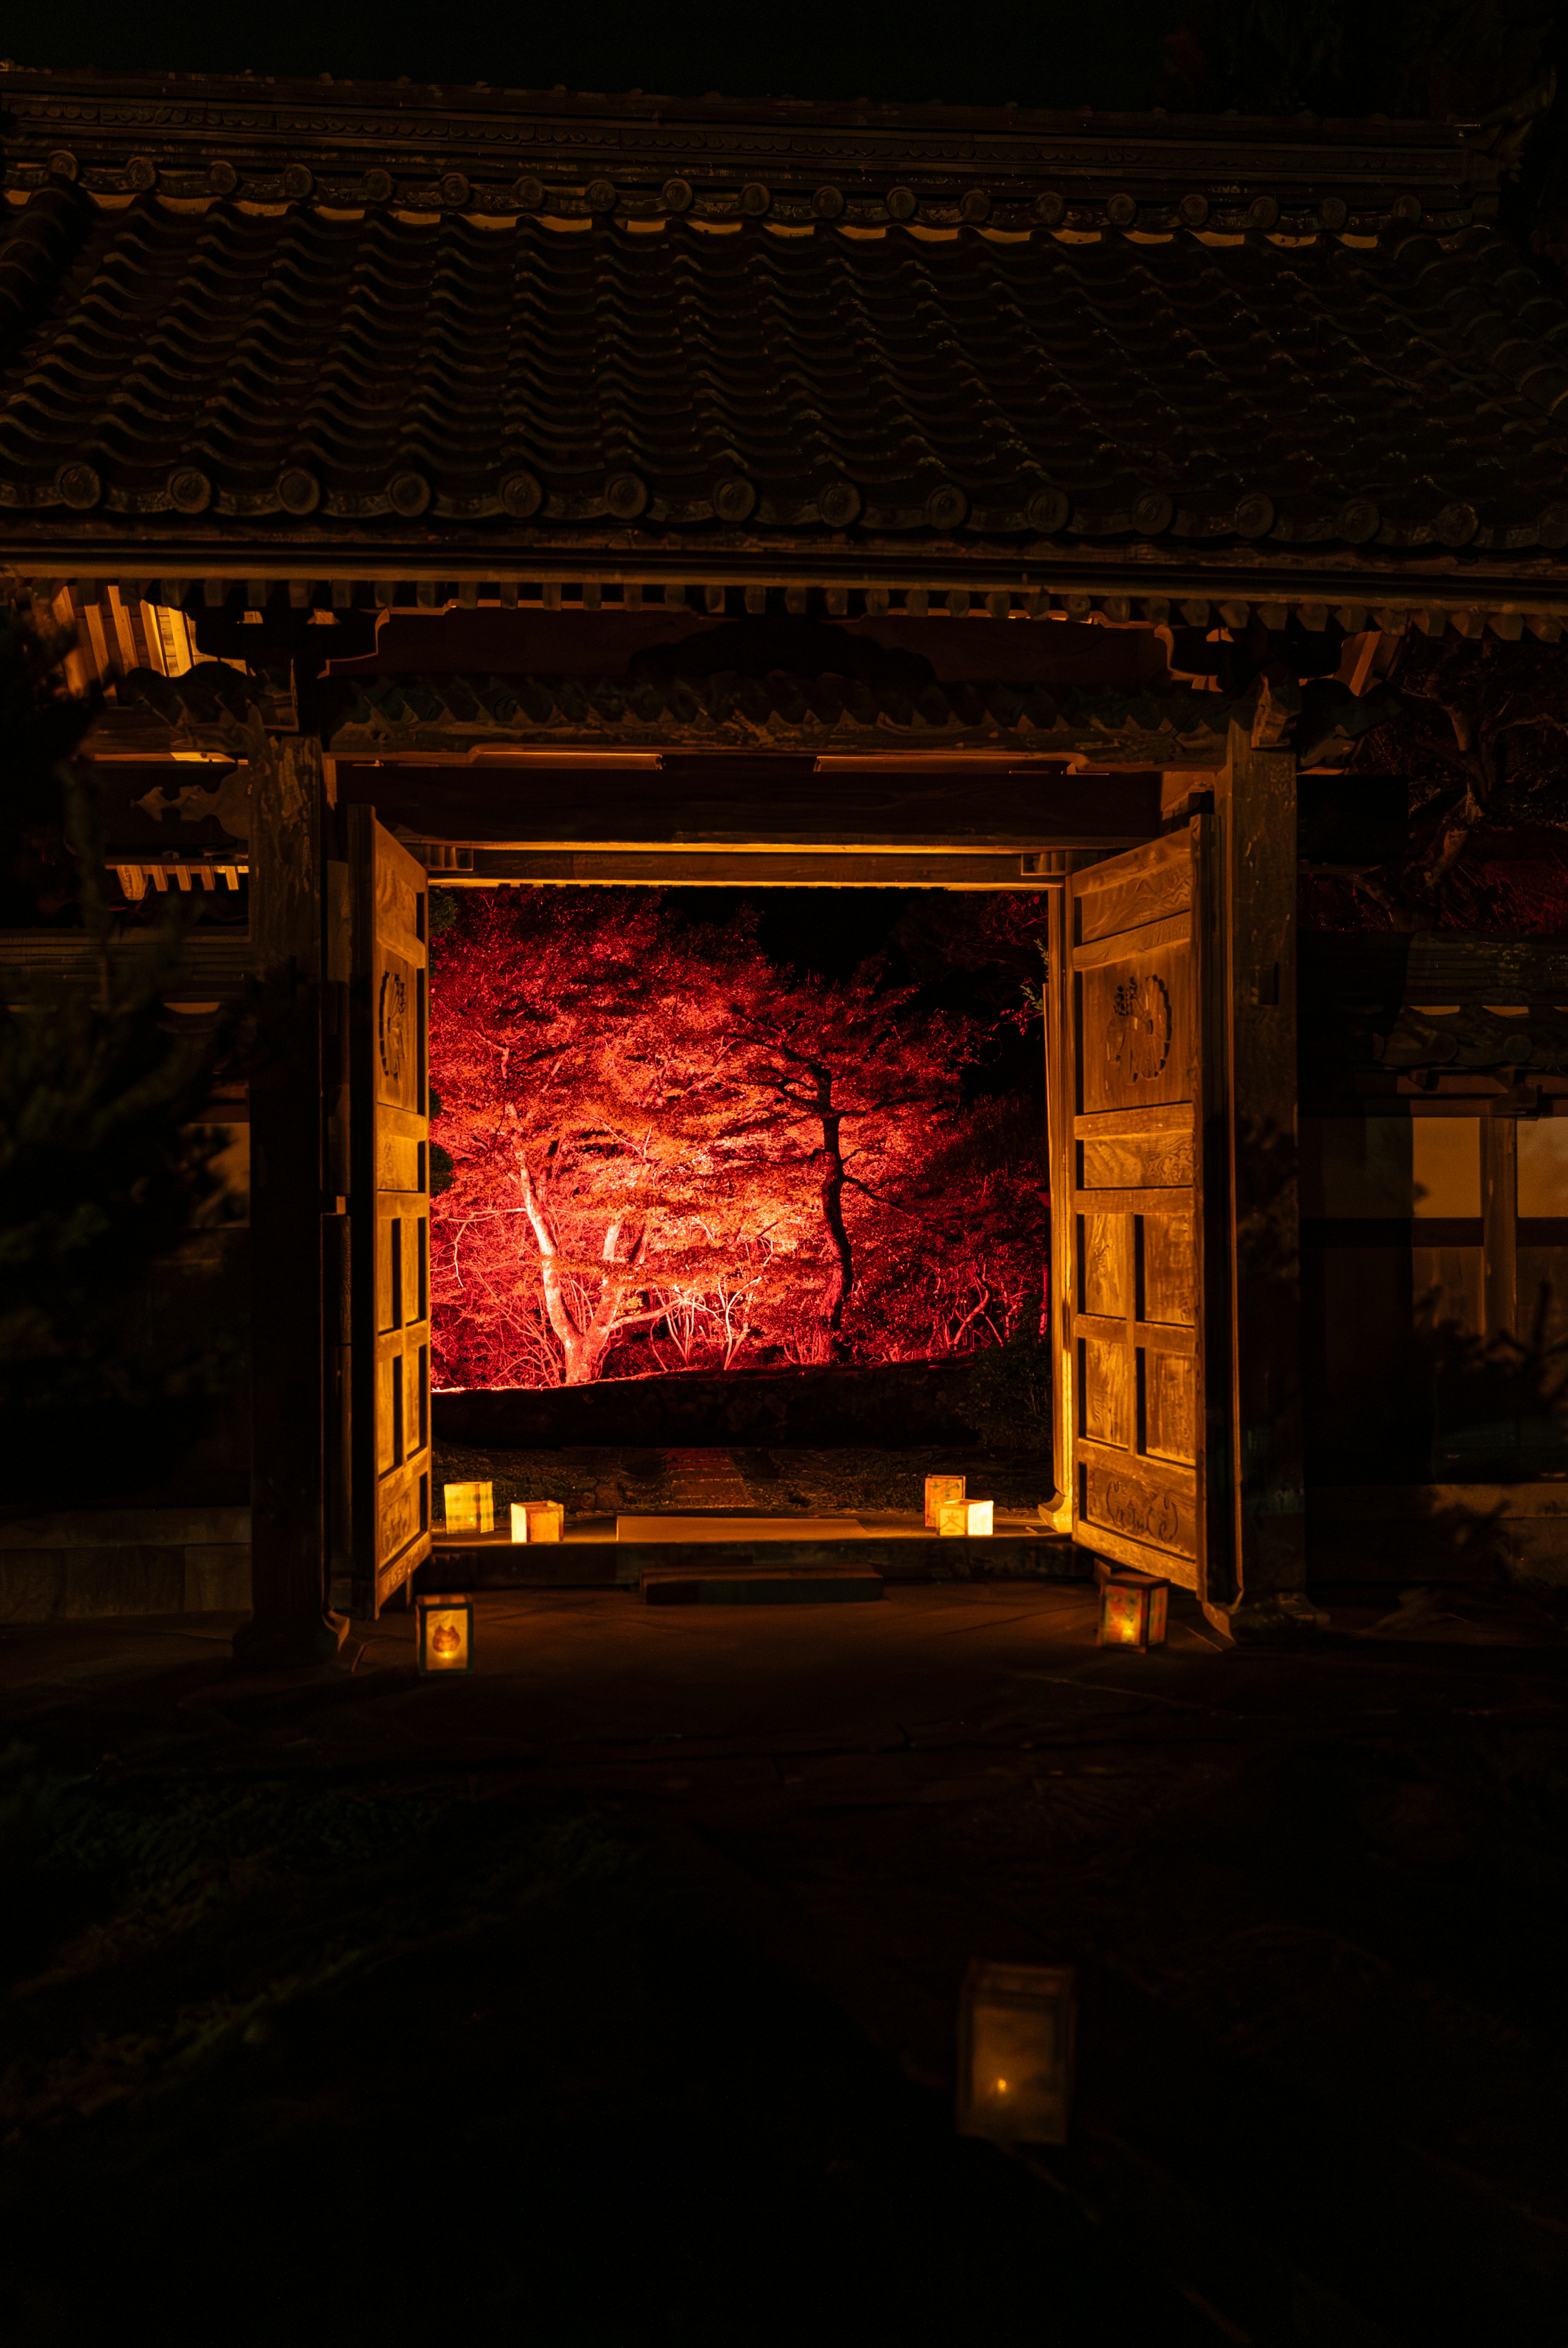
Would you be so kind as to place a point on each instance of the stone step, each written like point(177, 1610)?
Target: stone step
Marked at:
point(705, 1478)
point(730, 1583)
point(710, 1525)
point(592, 1556)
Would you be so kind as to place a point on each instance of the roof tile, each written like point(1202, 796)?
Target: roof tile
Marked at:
point(140, 340)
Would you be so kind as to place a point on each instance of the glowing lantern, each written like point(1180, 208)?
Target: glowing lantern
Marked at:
point(1015, 2053)
point(538, 1520)
point(1133, 1610)
point(971, 1517)
point(443, 1633)
point(940, 1490)
point(470, 1507)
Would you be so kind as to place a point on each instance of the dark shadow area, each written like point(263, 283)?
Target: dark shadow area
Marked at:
point(1054, 59)
point(999, 1395)
point(626, 2119)
point(641, 1949)
point(1435, 1403)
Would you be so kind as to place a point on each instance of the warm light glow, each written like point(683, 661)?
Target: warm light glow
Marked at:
point(939, 1491)
point(1021, 2015)
point(469, 1508)
point(445, 1641)
point(444, 1638)
point(1133, 1611)
point(967, 1518)
point(1121, 1617)
point(538, 1521)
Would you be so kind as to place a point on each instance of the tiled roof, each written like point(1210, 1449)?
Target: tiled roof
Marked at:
point(727, 711)
point(579, 152)
point(1382, 1013)
point(290, 378)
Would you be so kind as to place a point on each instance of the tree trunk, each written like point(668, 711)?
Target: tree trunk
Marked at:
point(582, 1348)
point(841, 1279)
point(557, 1311)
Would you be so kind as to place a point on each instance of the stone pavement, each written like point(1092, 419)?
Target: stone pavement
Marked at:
point(1316, 1898)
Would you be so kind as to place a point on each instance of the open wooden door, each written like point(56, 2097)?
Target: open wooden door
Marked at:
point(1146, 1314)
point(389, 1210)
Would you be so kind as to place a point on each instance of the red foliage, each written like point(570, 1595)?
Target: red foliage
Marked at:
point(665, 1155)
point(1510, 882)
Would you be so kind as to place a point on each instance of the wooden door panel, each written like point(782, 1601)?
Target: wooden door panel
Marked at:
point(1167, 1263)
point(389, 1275)
point(402, 1524)
point(1135, 930)
point(1105, 1392)
point(1103, 1286)
point(1139, 1513)
point(1136, 1030)
point(389, 1209)
point(388, 1414)
point(1147, 884)
point(1170, 1414)
point(399, 1163)
point(398, 1004)
point(1136, 1161)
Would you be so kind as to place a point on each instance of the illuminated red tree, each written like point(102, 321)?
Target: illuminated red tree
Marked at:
point(597, 1121)
point(860, 1083)
point(666, 1155)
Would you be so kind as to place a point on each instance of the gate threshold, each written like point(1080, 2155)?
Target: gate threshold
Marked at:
point(609, 1552)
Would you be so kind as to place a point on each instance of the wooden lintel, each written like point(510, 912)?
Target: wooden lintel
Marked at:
point(710, 868)
point(758, 808)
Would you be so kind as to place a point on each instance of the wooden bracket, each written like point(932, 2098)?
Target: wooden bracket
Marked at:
point(1275, 713)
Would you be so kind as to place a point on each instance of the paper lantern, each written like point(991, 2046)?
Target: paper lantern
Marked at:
point(966, 1517)
point(444, 1633)
point(538, 1520)
point(940, 1490)
point(470, 1507)
point(1015, 2025)
point(1133, 1610)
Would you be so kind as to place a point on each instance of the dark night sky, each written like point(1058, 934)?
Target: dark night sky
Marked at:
point(1038, 52)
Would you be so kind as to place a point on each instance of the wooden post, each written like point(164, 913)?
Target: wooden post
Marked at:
point(289, 1623)
point(336, 1221)
point(1499, 1244)
point(1059, 1159)
point(1255, 805)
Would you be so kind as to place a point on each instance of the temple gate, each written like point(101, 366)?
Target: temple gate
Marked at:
point(955, 615)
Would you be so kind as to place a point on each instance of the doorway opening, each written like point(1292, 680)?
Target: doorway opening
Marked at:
point(740, 1217)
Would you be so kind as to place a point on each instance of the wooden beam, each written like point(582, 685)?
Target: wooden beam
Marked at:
point(1255, 804)
point(724, 803)
point(289, 1623)
point(729, 869)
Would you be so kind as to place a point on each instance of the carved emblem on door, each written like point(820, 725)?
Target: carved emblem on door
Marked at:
point(392, 1024)
point(1138, 1031)
point(1148, 1516)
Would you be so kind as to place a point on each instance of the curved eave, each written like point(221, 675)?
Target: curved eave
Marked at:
point(1144, 582)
